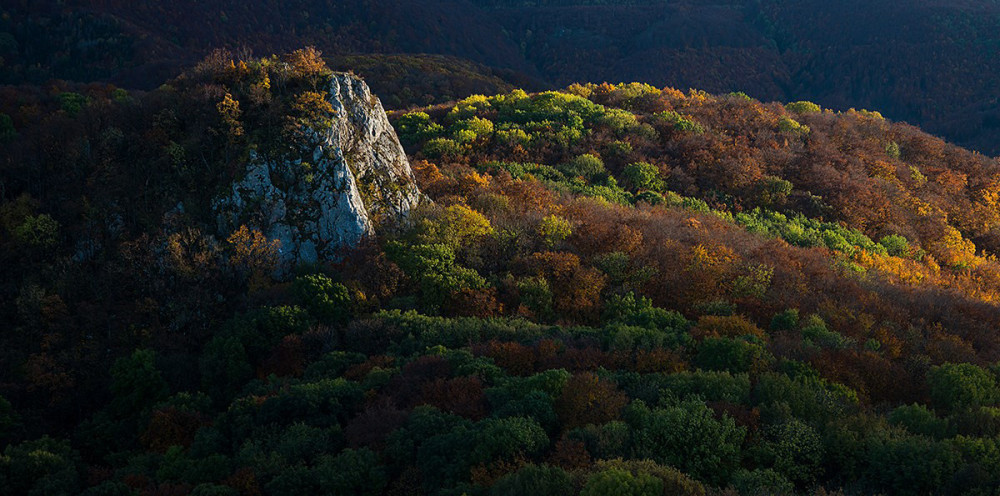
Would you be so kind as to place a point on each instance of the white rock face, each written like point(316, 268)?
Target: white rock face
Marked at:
point(349, 176)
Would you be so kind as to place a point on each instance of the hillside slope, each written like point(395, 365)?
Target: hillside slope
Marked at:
point(615, 286)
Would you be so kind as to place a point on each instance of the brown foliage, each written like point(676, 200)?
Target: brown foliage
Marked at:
point(287, 359)
point(513, 357)
point(370, 428)
point(659, 360)
point(469, 302)
point(570, 454)
point(461, 396)
point(576, 289)
point(306, 62)
point(244, 481)
point(712, 326)
point(588, 399)
point(170, 426)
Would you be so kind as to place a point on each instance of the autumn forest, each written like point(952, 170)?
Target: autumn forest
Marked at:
point(602, 288)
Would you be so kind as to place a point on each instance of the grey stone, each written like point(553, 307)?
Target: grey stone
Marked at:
point(358, 177)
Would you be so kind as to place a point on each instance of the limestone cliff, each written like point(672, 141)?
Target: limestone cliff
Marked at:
point(345, 176)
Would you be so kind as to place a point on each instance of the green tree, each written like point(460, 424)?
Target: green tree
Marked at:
point(911, 465)
point(507, 438)
point(554, 229)
point(433, 267)
point(225, 368)
point(761, 482)
point(735, 355)
point(643, 176)
point(896, 245)
point(7, 131)
point(803, 107)
point(352, 472)
point(209, 489)
point(9, 419)
point(136, 383)
point(708, 385)
point(535, 480)
point(687, 436)
point(773, 191)
point(961, 385)
point(116, 488)
point(586, 166)
point(38, 231)
point(438, 148)
point(675, 482)
point(328, 301)
point(72, 103)
point(679, 122)
point(618, 482)
point(794, 449)
point(789, 125)
point(605, 441)
point(414, 127)
point(43, 467)
point(536, 295)
point(892, 149)
point(918, 419)
point(807, 397)
point(785, 321)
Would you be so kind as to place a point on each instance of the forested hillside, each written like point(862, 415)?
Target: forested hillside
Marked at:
point(928, 62)
point(610, 288)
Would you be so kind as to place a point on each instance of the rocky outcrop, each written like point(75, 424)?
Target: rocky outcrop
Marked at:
point(351, 175)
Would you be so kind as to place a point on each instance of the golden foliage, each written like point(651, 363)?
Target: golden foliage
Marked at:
point(306, 62)
point(255, 254)
point(229, 110)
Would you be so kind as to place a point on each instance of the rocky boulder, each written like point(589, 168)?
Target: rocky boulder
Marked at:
point(347, 176)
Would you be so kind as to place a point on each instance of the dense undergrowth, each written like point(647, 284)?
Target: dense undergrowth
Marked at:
point(616, 290)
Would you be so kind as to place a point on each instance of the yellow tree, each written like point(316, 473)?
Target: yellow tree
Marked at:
point(254, 254)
